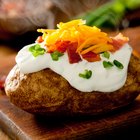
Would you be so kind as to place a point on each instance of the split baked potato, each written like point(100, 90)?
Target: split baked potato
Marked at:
point(45, 92)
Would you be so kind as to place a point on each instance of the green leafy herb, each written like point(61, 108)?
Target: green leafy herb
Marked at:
point(107, 64)
point(36, 50)
point(55, 55)
point(87, 74)
point(118, 64)
point(106, 55)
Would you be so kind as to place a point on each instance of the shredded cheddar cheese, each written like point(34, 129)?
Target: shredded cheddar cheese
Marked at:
point(89, 39)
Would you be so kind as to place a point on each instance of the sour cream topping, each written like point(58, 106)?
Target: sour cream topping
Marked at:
point(102, 79)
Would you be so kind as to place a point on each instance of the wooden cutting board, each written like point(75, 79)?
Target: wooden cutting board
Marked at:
point(21, 125)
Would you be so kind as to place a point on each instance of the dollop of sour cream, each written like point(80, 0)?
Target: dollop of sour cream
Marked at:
point(102, 79)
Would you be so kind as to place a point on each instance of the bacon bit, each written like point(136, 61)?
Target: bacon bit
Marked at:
point(73, 56)
point(91, 57)
point(39, 39)
point(117, 45)
point(118, 41)
point(62, 45)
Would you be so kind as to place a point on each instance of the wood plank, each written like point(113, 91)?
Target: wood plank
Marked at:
point(24, 126)
point(3, 136)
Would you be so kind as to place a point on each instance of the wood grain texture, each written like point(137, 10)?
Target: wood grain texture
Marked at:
point(3, 136)
point(24, 126)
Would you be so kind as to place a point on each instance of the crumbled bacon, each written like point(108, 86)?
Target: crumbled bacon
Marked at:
point(62, 45)
point(91, 57)
point(39, 39)
point(73, 56)
point(118, 41)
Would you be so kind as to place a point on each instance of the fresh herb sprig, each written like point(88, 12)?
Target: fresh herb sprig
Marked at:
point(36, 50)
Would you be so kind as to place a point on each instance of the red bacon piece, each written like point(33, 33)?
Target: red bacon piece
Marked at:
point(91, 57)
point(39, 39)
point(73, 56)
point(117, 44)
point(118, 41)
point(62, 46)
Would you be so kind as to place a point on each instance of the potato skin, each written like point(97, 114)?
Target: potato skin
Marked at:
point(48, 93)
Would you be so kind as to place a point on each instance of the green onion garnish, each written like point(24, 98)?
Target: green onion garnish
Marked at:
point(55, 55)
point(36, 50)
point(86, 74)
point(107, 64)
point(106, 55)
point(118, 64)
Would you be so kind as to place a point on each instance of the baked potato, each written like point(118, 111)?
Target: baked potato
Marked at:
point(74, 70)
point(46, 92)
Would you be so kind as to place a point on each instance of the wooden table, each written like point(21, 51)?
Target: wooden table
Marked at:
point(18, 124)
point(7, 57)
point(3, 136)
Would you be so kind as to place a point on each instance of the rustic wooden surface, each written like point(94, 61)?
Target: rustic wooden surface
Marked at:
point(3, 136)
point(24, 126)
point(7, 57)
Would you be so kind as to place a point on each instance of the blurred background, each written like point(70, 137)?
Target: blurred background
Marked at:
point(19, 19)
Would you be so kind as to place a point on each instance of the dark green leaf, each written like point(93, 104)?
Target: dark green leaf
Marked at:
point(118, 64)
point(87, 74)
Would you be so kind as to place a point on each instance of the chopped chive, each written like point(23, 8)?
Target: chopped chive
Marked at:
point(106, 55)
point(107, 64)
point(36, 50)
point(118, 64)
point(86, 74)
point(55, 55)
